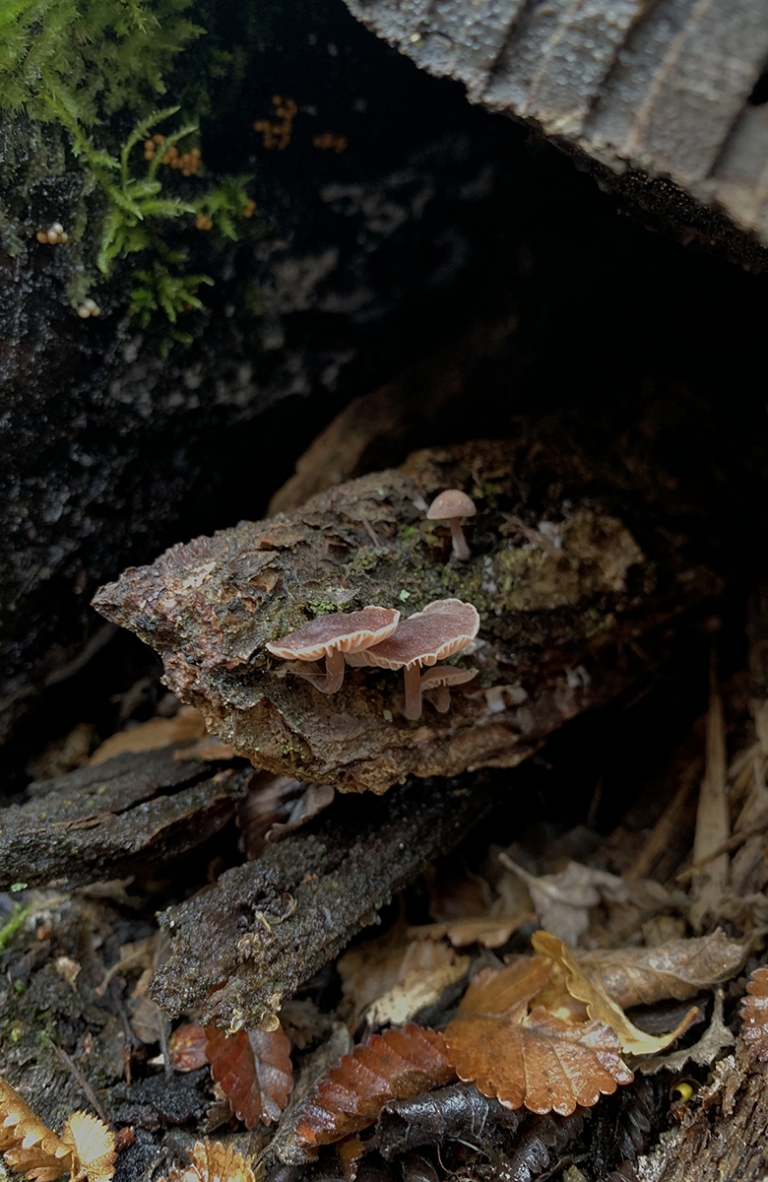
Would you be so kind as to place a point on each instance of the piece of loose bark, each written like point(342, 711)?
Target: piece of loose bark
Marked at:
point(606, 575)
point(104, 822)
point(267, 926)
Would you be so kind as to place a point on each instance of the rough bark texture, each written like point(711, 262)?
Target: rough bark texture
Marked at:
point(661, 99)
point(267, 926)
point(556, 607)
point(106, 821)
point(723, 1132)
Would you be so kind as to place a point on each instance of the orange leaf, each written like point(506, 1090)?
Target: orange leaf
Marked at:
point(541, 1060)
point(396, 1065)
point(754, 1014)
point(254, 1069)
point(186, 1047)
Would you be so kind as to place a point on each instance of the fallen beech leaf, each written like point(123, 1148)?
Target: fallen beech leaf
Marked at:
point(538, 1060)
point(274, 806)
point(490, 931)
point(678, 969)
point(563, 900)
point(152, 735)
point(389, 981)
point(716, 1037)
point(28, 1145)
point(92, 1145)
point(754, 1014)
point(186, 1047)
point(254, 1070)
point(212, 1162)
point(599, 1004)
point(392, 1066)
point(207, 750)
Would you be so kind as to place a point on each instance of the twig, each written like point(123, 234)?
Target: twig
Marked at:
point(82, 1083)
point(726, 847)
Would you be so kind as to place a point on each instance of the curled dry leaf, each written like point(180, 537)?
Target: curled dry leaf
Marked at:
point(152, 735)
point(600, 1006)
point(563, 900)
point(392, 1066)
point(186, 1047)
point(274, 806)
point(715, 1039)
point(678, 969)
point(389, 981)
point(28, 1145)
point(212, 1162)
point(754, 1014)
point(92, 1145)
point(535, 1059)
point(254, 1070)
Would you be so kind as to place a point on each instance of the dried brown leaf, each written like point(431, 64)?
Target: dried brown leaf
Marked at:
point(754, 1014)
point(389, 981)
point(538, 1059)
point(563, 900)
point(716, 1038)
point(28, 1145)
point(254, 1069)
point(186, 1047)
point(274, 806)
point(392, 1066)
point(490, 931)
point(92, 1145)
point(212, 1162)
point(208, 750)
point(678, 969)
point(152, 735)
point(600, 1006)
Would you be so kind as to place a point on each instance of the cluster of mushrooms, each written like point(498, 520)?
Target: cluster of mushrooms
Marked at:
point(376, 636)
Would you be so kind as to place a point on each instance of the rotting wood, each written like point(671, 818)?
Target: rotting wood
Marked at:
point(722, 1131)
point(108, 821)
point(266, 927)
point(657, 99)
point(555, 622)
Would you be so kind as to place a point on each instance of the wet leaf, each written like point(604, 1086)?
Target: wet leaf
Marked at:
point(678, 969)
point(28, 1145)
point(537, 1060)
point(599, 1005)
point(444, 1115)
point(212, 1162)
point(186, 1047)
point(563, 900)
point(254, 1070)
point(395, 1065)
point(754, 1014)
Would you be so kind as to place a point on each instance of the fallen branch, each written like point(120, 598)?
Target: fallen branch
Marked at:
point(266, 927)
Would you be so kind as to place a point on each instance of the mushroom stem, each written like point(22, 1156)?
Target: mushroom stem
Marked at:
point(460, 547)
point(440, 698)
point(334, 672)
point(412, 682)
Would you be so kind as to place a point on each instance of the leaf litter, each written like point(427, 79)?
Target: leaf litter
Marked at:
point(518, 974)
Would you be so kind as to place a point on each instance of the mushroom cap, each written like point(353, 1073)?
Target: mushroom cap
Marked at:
point(443, 628)
point(451, 503)
point(346, 632)
point(446, 675)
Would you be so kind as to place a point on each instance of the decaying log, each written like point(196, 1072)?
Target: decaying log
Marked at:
point(107, 821)
point(723, 1133)
point(557, 604)
point(661, 101)
point(244, 945)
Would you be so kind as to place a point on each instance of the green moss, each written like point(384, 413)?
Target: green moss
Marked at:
point(76, 74)
point(13, 923)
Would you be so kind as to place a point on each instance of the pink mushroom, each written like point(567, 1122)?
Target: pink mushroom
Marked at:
point(451, 506)
point(437, 682)
point(443, 628)
point(331, 637)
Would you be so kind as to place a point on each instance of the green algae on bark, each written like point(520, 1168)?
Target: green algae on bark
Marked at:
point(566, 568)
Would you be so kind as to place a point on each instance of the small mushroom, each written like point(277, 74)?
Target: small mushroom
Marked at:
point(439, 680)
point(331, 637)
point(443, 628)
point(451, 506)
